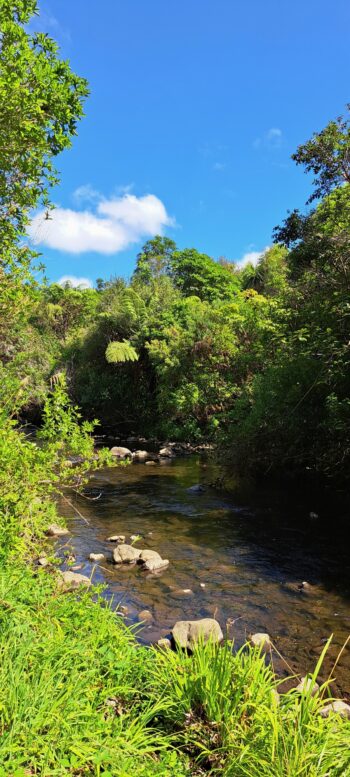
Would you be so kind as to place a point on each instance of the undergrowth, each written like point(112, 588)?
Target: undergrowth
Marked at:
point(80, 697)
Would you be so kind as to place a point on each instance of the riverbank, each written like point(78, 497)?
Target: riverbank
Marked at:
point(79, 695)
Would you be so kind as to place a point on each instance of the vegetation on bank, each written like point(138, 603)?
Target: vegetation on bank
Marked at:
point(78, 695)
point(255, 358)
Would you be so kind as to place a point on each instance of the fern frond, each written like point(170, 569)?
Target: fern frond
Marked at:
point(121, 352)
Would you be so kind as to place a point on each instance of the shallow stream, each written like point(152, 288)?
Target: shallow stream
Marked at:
point(239, 559)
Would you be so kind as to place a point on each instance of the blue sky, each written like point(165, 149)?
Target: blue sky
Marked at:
point(195, 109)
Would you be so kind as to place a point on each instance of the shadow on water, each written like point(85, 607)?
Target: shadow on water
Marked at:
point(241, 559)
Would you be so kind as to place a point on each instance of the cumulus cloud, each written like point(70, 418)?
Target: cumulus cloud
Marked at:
point(251, 257)
point(271, 139)
point(111, 226)
point(76, 283)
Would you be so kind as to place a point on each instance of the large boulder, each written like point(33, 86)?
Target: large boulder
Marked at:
point(71, 580)
point(337, 707)
point(120, 452)
point(187, 633)
point(125, 554)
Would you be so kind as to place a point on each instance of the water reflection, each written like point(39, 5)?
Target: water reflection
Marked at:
point(242, 560)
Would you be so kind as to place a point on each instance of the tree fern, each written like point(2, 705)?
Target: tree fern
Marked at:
point(120, 352)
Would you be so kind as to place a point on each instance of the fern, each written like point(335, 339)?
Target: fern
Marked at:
point(120, 352)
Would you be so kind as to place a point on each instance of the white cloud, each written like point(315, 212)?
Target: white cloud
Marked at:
point(273, 138)
point(219, 166)
point(112, 226)
point(251, 257)
point(274, 135)
point(86, 193)
point(76, 283)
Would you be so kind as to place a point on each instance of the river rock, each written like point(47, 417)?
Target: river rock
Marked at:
point(71, 580)
point(261, 640)
point(307, 685)
point(96, 557)
point(145, 615)
point(339, 707)
point(56, 531)
point(167, 452)
point(155, 564)
point(120, 452)
point(43, 561)
point(116, 538)
point(196, 489)
point(125, 554)
point(150, 463)
point(187, 633)
point(305, 587)
point(165, 643)
point(141, 455)
point(147, 555)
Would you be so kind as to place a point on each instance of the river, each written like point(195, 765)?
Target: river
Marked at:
point(241, 559)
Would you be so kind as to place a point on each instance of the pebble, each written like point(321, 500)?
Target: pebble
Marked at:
point(116, 538)
point(145, 615)
point(307, 685)
point(339, 707)
point(164, 643)
point(56, 531)
point(262, 640)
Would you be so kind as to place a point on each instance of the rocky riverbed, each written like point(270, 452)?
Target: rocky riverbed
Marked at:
point(255, 565)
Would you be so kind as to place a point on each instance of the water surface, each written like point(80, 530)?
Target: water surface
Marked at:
point(239, 560)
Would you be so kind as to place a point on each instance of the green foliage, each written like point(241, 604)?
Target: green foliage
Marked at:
point(74, 694)
point(198, 275)
point(31, 474)
point(228, 716)
point(78, 696)
point(327, 156)
point(118, 353)
point(154, 260)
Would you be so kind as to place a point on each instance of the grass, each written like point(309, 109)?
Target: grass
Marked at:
point(80, 697)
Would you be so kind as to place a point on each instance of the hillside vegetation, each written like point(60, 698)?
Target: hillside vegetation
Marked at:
point(256, 359)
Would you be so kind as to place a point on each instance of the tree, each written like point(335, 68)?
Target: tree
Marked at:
point(196, 274)
point(327, 155)
point(270, 274)
point(41, 101)
point(154, 259)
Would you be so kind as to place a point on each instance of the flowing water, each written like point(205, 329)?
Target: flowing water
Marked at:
point(240, 560)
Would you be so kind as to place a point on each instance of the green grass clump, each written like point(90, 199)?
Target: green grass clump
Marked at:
point(229, 717)
point(64, 660)
point(79, 697)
